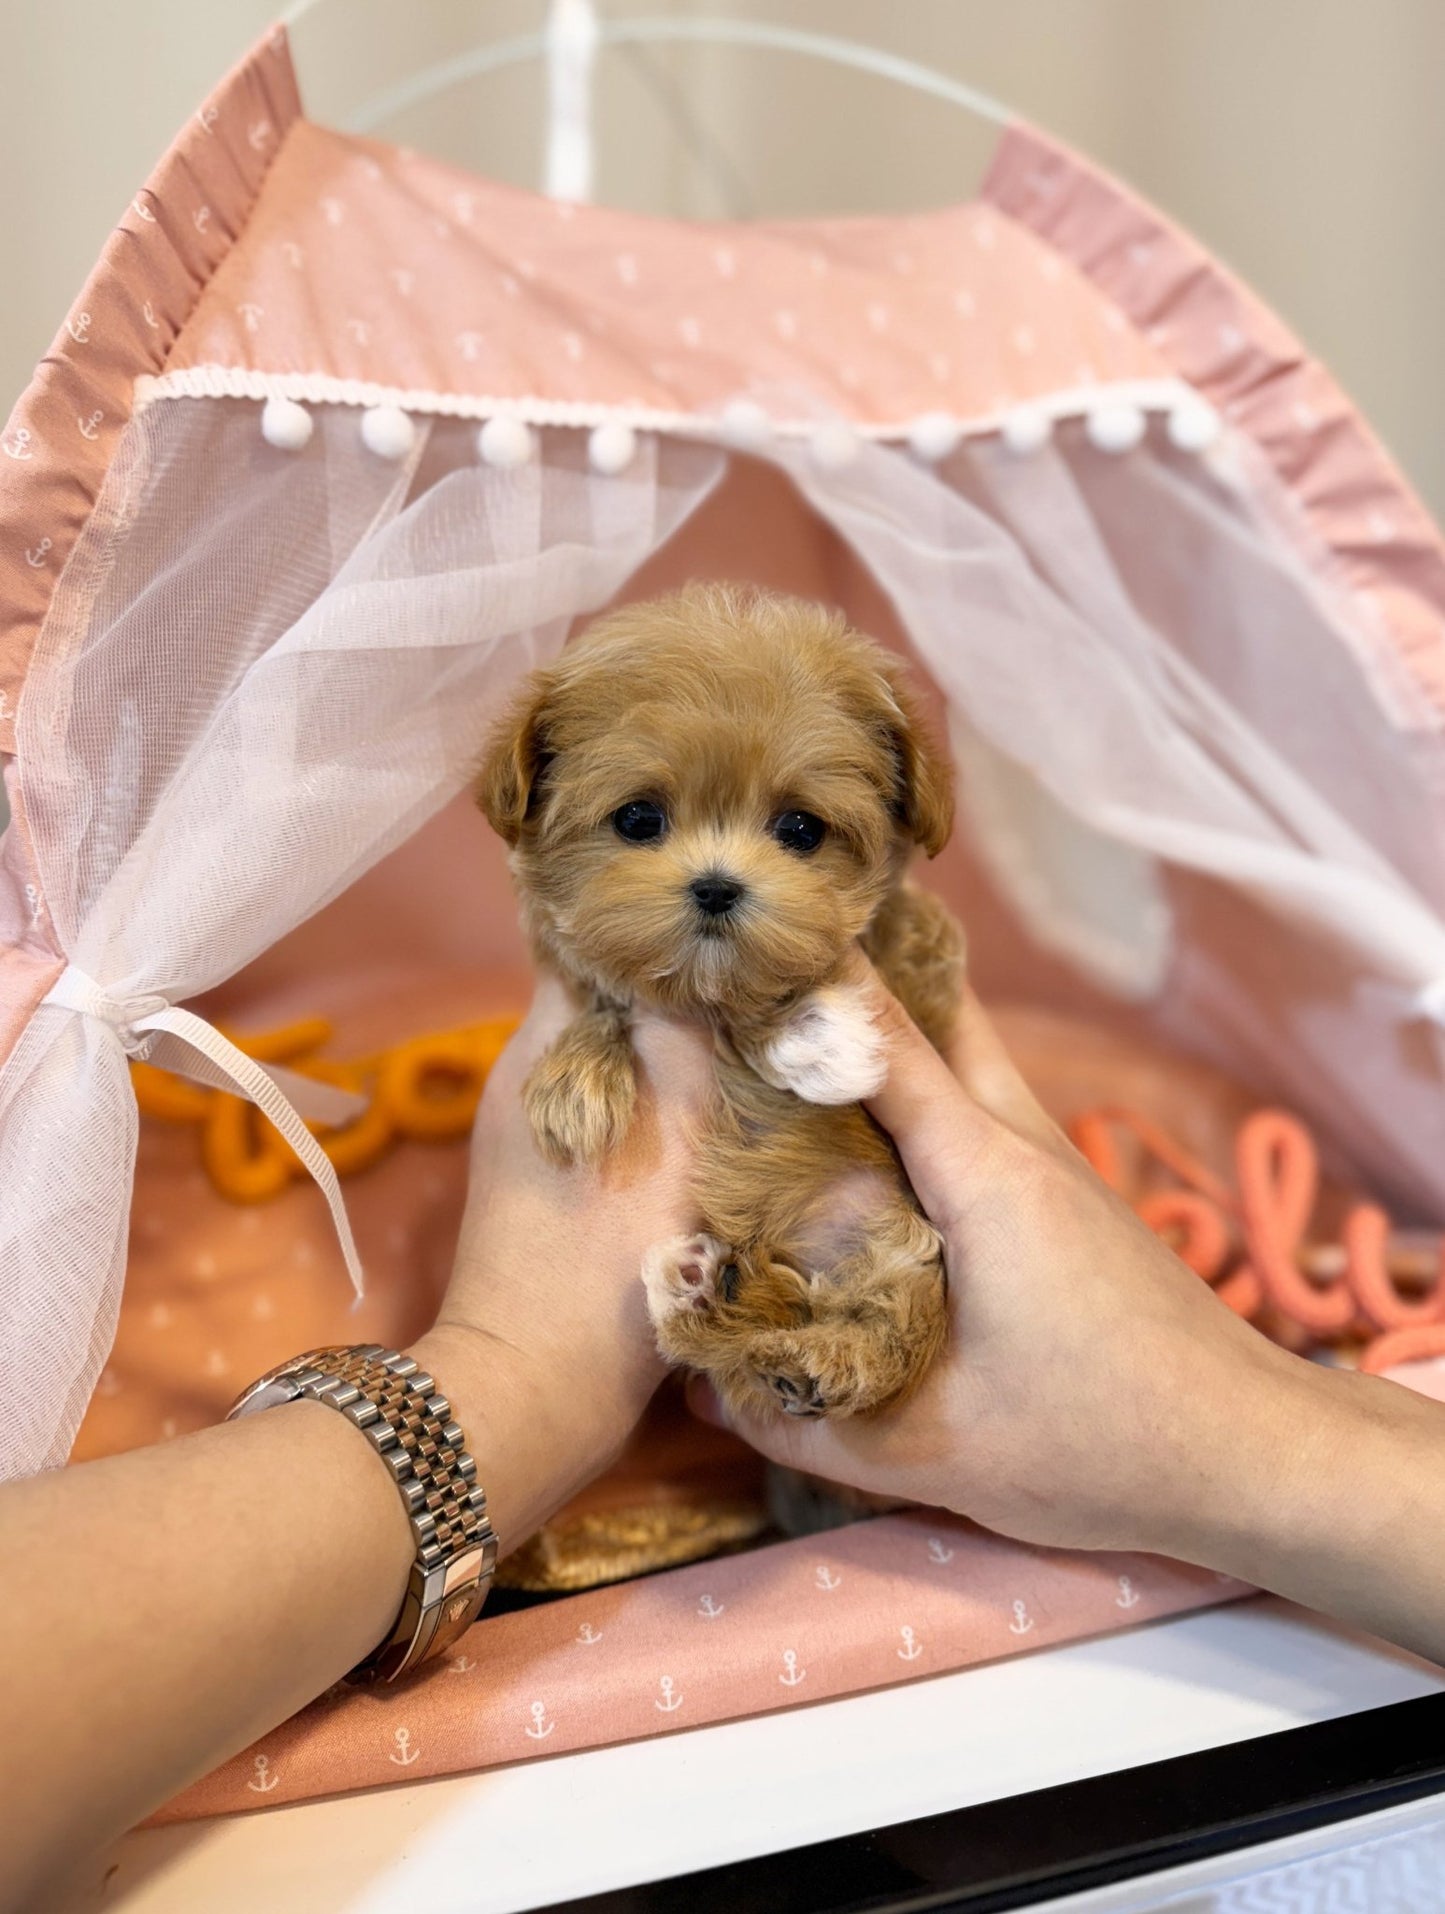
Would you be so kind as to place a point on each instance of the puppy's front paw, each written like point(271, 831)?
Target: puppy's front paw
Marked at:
point(829, 1050)
point(580, 1104)
point(684, 1275)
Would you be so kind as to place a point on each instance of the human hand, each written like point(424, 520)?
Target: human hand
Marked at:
point(543, 1341)
point(1094, 1392)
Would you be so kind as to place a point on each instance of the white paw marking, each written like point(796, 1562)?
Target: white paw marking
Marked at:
point(681, 1274)
point(830, 1050)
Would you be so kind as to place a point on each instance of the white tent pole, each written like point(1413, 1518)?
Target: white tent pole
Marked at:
point(571, 51)
point(652, 31)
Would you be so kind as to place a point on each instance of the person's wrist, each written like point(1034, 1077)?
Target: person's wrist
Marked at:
point(477, 1375)
point(1273, 1496)
point(536, 1438)
point(1339, 1514)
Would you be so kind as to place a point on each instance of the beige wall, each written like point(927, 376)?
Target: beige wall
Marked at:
point(1302, 139)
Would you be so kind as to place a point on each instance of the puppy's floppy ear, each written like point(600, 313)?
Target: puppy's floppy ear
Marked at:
point(516, 757)
point(925, 776)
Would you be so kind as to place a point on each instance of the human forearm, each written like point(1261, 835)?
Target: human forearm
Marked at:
point(1331, 1492)
point(165, 1607)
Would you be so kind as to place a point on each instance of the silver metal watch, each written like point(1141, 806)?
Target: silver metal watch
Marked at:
point(395, 1405)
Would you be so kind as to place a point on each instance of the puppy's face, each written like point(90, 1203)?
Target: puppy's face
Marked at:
point(708, 797)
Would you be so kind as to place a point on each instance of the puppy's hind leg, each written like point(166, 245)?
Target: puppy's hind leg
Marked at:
point(874, 1324)
point(581, 1094)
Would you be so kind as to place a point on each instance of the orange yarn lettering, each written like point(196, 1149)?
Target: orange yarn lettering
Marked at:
point(1251, 1241)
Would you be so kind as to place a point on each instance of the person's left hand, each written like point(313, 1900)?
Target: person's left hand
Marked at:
point(543, 1342)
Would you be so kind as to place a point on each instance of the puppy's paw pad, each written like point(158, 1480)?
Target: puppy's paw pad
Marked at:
point(797, 1395)
point(684, 1274)
point(829, 1050)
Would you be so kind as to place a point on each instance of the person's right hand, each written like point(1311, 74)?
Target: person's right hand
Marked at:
point(1094, 1392)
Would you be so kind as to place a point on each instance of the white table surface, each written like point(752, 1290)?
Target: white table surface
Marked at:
point(546, 1830)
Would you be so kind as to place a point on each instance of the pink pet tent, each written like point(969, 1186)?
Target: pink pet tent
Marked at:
point(338, 442)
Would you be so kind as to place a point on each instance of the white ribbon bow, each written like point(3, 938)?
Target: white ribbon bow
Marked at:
point(155, 1031)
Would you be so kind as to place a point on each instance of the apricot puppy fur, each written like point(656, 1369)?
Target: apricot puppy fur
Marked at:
point(709, 798)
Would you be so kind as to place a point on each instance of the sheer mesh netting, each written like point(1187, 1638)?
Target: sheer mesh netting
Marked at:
point(1188, 769)
point(1139, 645)
point(262, 672)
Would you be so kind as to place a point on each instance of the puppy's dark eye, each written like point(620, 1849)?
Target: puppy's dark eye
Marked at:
point(640, 821)
point(799, 831)
point(728, 1280)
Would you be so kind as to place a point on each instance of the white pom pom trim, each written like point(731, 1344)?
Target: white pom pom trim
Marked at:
point(388, 431)
point(506, 443)
point(745, 425)
point(286, 425)
point(611, 447)
point(1115, 414)
point(1193, 425)
point(1028, 428)
point(833, 445)
point(934, 436)
point(1115, 428)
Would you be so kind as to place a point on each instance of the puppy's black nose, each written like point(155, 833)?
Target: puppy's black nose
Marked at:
point(714, 894)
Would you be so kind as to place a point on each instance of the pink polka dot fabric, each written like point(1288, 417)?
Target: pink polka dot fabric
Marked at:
point(482, 295)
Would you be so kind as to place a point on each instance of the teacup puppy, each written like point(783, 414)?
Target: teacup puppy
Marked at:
point(709, 798)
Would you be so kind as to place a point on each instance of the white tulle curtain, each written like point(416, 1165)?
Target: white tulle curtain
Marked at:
point(1137, 638)
point(1024, 620)
point(263, 671)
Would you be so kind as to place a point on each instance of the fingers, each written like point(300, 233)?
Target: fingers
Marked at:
point(676, 1056)
point(550, 1011)
point(978, 1059)
point(974, 1058)
point(943, 1113)
point(552, 1007)
point(812, 1447)
point(938, 1129)
point(675, 1072)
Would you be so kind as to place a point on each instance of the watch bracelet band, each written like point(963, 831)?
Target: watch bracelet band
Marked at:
point(395, 1404)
